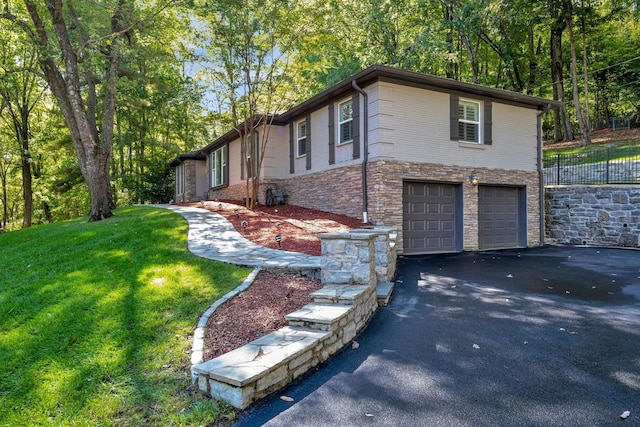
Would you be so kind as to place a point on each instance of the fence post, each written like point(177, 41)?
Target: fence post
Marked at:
point(607, 175)
point(558, 172)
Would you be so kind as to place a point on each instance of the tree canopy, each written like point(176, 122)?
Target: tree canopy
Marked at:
point(97, 97)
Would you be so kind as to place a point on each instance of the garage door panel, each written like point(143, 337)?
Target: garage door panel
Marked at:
point(418, 208)
point(417, 226)
point(434, 207)
point(498, 217)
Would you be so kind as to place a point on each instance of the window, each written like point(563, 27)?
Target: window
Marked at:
point(180, 179)
point(469, 121)
point(302, 138)
point(345, 122)
point(218, 167)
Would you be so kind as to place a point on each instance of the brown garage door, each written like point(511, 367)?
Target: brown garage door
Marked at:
point(428, 218)
point(498, 217)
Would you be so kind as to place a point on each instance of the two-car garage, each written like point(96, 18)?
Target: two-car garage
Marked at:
point(433, 217)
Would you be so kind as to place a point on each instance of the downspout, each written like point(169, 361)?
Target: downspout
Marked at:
point(365, 157)
point(541, 171)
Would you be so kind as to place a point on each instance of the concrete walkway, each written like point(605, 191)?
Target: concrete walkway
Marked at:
point(211, 236)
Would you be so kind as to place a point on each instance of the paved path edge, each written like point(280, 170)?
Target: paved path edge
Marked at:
point(197, 350)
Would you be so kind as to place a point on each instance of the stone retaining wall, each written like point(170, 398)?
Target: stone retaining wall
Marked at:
point(598, 215)
point(352, 265)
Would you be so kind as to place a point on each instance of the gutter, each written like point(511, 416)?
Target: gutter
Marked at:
point(540, 170)
point(365, 157)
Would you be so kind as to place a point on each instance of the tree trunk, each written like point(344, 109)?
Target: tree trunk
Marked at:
point(4, 169)
point(561, 124)
point(584, 132)
point(585, 74)
point(448, 17)
point(534, 52)
point(27, 186)
point(27, 192)
point(473, 58)
point(93, 153)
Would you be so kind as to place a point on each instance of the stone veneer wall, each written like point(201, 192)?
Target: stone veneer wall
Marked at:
point(336, 190)
point(190, 193)
point(386, 178)
point(340, 191)
point(599, 215)
point(232, 192)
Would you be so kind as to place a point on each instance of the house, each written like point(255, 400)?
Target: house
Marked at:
point(454, 166)
point(191, 172)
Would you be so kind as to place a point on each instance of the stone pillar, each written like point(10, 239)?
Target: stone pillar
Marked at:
point(385, 251)
point(348, 259)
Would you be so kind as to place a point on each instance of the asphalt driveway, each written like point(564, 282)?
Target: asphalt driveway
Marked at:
point(540, 337)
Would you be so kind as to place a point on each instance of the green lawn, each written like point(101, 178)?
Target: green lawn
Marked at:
point(96, 322)
point(624, 150)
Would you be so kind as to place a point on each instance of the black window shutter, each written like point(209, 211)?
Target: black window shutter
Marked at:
point(488, 137)
point(308, 141)
point(243, 156)
point(332, 136)
point(453, 118)
point(355, 104)
point(292, 155)
point(225, 178)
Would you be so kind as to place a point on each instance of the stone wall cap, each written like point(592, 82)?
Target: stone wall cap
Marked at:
point(347, 236)
point(376, 230)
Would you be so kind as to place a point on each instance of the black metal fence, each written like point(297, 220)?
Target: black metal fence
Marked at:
point(610, 165)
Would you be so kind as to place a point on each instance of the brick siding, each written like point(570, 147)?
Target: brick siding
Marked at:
point(340, 191)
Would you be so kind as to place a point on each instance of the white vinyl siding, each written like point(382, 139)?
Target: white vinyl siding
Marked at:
point(345, 122)
point(469, 121)
point(410, 124)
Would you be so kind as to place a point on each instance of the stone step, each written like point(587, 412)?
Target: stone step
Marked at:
point(384, 291)
point(338, 294)
point(317, 316)
point(260, 367)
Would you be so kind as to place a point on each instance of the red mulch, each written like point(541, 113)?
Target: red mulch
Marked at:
point(298, 227)
point(257, 311)
point(261, 308)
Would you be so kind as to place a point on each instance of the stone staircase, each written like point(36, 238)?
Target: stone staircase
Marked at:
point(315, 332)
point(339, 311)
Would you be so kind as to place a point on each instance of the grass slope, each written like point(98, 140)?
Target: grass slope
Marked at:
point(96, 322)
point(623, 150)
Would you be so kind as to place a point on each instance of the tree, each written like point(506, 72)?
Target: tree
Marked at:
point(561, 124)
point(584, 131)
point(78, 74)
point(80, 58)
point(21, 91)
point(6, 163)
point(251, 46)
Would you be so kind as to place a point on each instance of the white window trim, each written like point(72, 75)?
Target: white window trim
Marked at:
point(298, 138)
point(479, 123)
point(340, 123)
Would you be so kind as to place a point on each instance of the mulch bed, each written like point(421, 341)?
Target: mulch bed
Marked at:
point(257, 311)
point(298, 227)
point(261, 308)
